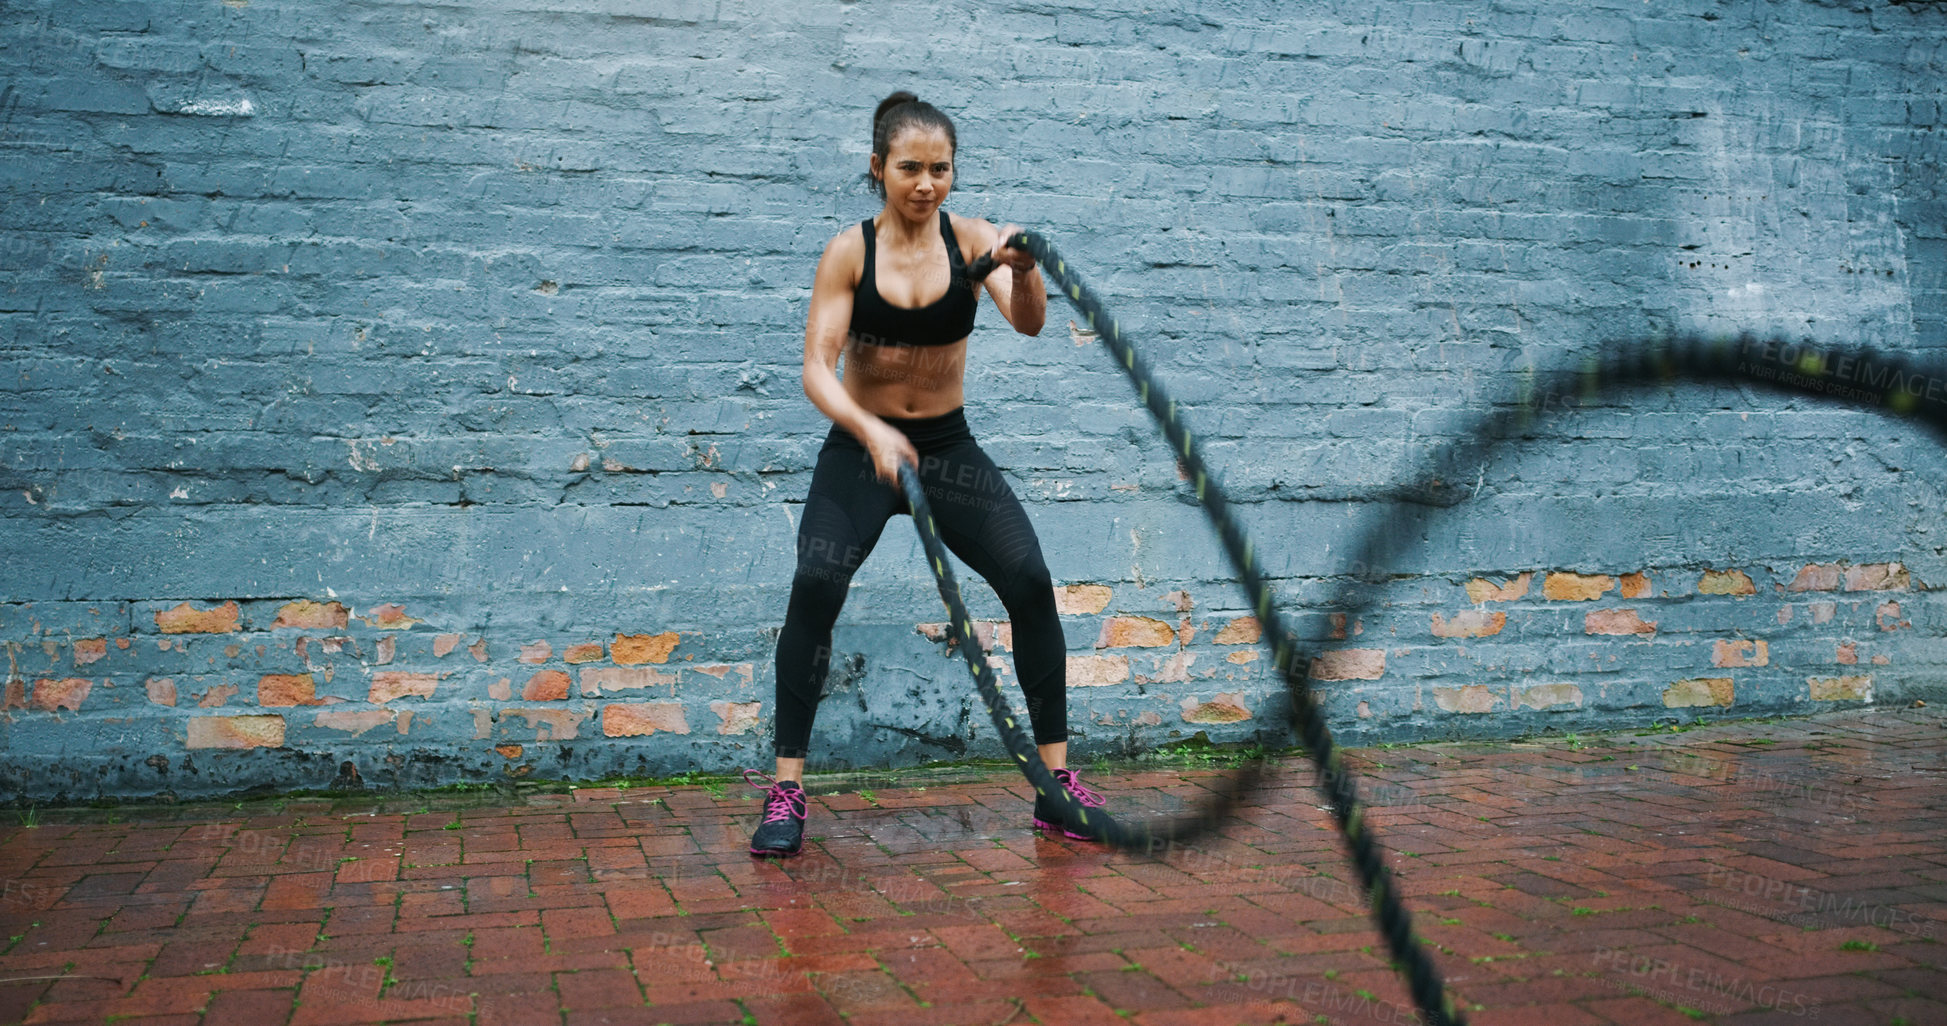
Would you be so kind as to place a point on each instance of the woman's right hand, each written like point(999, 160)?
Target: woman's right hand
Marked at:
point(889, 447)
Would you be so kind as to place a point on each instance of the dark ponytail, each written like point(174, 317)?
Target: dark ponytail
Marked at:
point(896, 113)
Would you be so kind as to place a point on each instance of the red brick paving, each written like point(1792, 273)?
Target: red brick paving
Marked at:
point(1748, 873)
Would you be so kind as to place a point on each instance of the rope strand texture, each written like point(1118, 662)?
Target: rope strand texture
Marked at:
point(1368, 858)
point(1890, 383)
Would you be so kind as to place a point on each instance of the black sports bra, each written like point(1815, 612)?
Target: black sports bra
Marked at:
point(944, 321)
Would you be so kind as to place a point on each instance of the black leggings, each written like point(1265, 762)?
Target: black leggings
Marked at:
point(982, 523)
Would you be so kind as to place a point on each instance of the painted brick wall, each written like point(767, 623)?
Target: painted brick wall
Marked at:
point(413, 389)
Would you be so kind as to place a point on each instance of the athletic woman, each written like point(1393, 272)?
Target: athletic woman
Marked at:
point(892, 294)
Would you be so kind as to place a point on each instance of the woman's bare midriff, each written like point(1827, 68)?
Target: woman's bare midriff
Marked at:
point(906, 381)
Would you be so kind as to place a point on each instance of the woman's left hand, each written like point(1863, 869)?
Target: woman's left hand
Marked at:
point(1019, 259)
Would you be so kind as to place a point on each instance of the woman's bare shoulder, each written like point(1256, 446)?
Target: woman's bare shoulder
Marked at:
point(844, 254)
point(976, 234)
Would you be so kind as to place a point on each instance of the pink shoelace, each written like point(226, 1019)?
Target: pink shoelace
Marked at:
point(780, 803)
point(1087, 796)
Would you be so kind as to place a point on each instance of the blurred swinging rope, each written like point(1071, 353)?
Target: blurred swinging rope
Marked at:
point(1862, 377)
point(1395, 924)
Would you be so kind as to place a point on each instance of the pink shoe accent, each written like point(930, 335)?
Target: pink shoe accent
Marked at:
point(781, 805)
point(1087, 797)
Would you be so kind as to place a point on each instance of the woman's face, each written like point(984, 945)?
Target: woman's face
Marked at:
point(918, 171)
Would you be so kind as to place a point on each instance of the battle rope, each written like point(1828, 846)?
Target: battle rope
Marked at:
point(1861, 376)
point(1395, 923)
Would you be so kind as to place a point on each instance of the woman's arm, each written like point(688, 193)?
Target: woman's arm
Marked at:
point(826, 325)
point(1018, 291)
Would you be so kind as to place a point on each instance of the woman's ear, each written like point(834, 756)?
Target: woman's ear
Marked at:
point(874, 169)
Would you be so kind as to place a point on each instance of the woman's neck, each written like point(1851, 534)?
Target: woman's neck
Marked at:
point(897, 227)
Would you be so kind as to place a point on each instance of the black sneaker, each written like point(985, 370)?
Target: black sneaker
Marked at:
point(1047, 815)
point(782, 832)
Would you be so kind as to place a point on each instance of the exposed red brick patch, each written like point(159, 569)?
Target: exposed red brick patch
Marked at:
point(1472, 698)
point(546, 686)
point(356, 721)
point(1241, 656)
point(63, 693)
point(1822, 612)
point(446, 643)
point(1134, 632)
point(314, 616)
point(1888, 616)
point(187, 619)
point(1877, 577)
point(537, 652)
point(1816, 577)
point(1550, 696)
point(1245, 630)
point(1480, 589)
point(1082, 599)
point(1726, 582)
point(588, 652)
point(596, 680)
point(736, 717)
point(1841, 689)
point(1097, 671)
point(501, 690)
point(385, 650)
point(236, 732)
point(88, 650)
point(1636, 585)
point(1350, 664)
point(643, 718)
point(1728, 653)
point(1469, 623)
point(1568, 587)
point(161, 690)
point(1698, 691)
point(1847, 655)
point(1616, 621)
point(16, 695)
point(720, 670)
point(389, 617)
point(282, 689)
point(123, 643)
point(390, 684)
point(636, 649)
point(555, 724)
point(1225, 708)
point(1173, 670)
point(478, 650)
point(216, 695)
point(509, 751)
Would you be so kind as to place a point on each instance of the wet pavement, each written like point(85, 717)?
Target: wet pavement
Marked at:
point(1750, 872)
